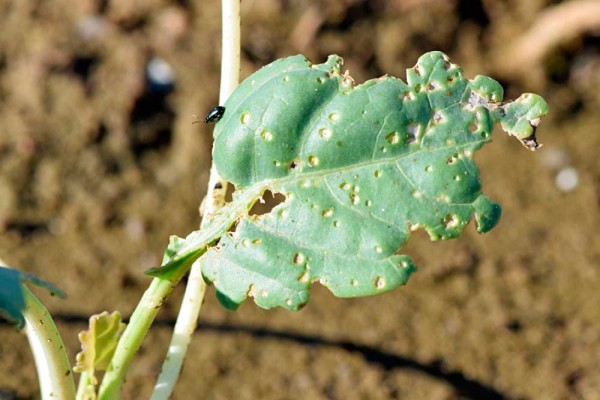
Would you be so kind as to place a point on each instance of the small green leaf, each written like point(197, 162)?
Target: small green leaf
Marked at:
point(98, 343)
point(12, 302)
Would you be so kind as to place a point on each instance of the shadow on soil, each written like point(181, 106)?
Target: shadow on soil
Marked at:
point(465, 387)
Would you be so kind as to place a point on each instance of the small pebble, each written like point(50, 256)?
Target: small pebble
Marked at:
point(160, 74)
point(93, 27)
point(567, 179)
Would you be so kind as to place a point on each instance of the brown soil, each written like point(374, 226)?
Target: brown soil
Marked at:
point(97, 169)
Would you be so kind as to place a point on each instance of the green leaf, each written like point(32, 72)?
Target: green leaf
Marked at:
point(98, 343)
point(12, 302)
point(359, 167)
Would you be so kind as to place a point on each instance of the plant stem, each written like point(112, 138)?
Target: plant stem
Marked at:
point(51, 360)
point(187, 319)
point(85, 386)
point(182, 334)
point(136, 330)
point(230, 55)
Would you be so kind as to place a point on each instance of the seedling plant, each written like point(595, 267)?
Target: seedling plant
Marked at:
point(354, 168)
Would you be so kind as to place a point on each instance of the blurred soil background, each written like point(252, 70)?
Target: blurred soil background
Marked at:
point(100, 163)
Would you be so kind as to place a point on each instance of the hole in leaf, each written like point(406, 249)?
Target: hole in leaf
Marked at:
point(325, 133)
point(298, 258)
point(438, 117)
point(245, 118)
point(452, 159)
point(304, 277)
point(417, 69)
point(393, 138)
point(267, 203)
point(433, 85)
point(251, 291)
point(451, 221)
point(408, 95)
point(229, 192)
point(266, 135)
point(293, 165)
point(413, 132)
point(230, 231)
point(328, 212)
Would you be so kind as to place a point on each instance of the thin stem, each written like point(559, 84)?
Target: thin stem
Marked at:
point(187, 319)
point(230, 61)
point(182, 334)
point(51, 360)
point(86, 386)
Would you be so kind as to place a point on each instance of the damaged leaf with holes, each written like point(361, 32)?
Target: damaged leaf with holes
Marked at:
point(358, 167)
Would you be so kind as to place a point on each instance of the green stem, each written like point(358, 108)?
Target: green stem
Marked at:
point(187, 319)
point(51, 360)
point(136, 330)
point(86, 386)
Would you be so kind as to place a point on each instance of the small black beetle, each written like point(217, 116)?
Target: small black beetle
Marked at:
point(214, 115)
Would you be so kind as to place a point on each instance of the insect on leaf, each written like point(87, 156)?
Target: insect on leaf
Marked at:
point(357, 166)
